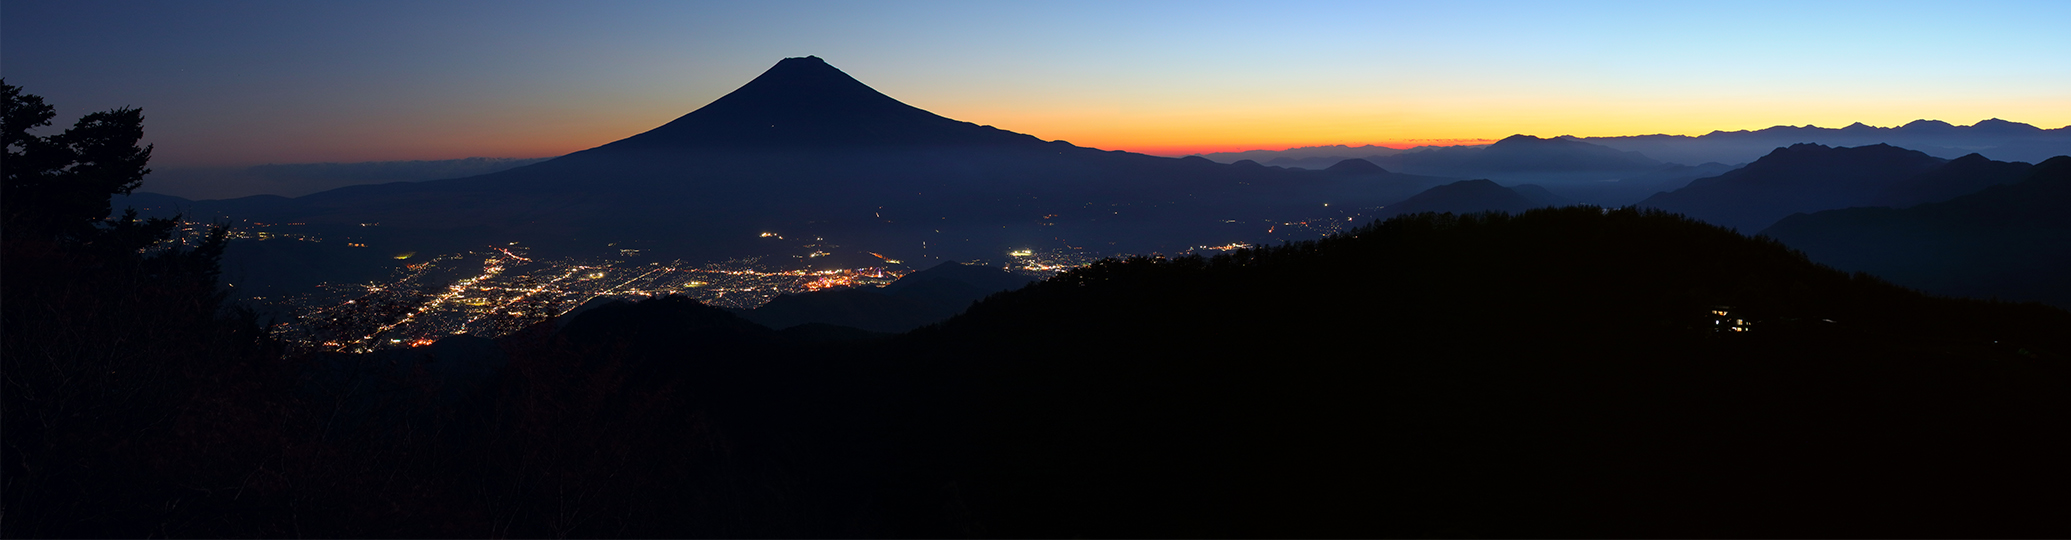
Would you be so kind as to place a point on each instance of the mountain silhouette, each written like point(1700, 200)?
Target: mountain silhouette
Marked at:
point(1961, 176)
point(1799, 178)
point(1355, 166)
point(1315, 163)
point(1528, 153)
point(807, 103)
point(806, 151)
point(1523, 158)
point(2006, 241)
point(1469, 196)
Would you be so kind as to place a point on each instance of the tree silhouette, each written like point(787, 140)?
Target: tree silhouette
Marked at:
point(127, 373)
point(57, 187)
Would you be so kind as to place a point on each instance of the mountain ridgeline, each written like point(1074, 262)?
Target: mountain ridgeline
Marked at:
point(2011, 240)
point(1800, 178)
point(1998, 139)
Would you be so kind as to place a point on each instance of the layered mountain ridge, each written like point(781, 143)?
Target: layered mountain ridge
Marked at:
point(1995, 138)
point(2009, 240)
point(1799, 178)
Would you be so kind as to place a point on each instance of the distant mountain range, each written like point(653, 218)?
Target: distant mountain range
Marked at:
point(1579, 170)
point(1523, 155)
point(1968, 227)
point(1994, 138)
point(1333, 153)
point(1514, 154)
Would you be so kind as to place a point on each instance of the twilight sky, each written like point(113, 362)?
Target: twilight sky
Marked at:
point(232, 83)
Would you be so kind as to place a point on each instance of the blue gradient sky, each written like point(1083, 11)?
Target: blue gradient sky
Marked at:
point(275, 82)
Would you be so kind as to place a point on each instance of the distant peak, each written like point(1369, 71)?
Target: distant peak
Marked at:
point(1355, 166)
point(805, 64)
point(806, 102)
point(1995, 124)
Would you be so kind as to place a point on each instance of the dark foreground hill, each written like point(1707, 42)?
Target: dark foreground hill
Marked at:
point(2007, 241)
point(1563, 372)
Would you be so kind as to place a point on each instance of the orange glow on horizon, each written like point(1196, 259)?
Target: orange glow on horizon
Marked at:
point(1162, 131)
point(1192, 149)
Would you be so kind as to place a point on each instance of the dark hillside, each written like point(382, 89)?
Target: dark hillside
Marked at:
point(1558, 373)
point(1563, 372)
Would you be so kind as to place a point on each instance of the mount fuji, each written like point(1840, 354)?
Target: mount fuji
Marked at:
point(805, 151)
